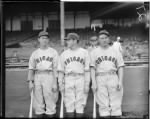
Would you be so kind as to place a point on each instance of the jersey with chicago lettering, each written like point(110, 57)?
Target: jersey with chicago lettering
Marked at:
point(106, 60)
point(43, 59)
point(76, 61)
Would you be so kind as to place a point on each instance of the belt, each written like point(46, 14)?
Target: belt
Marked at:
point(74, 74)
point(105, 73)
point(43, 70)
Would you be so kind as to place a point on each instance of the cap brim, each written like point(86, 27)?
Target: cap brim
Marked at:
point(65, 38)
point(104, 33)
point(93, 39)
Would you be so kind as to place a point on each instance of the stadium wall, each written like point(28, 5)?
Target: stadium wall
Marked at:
point(51, 20)
point(39, 21)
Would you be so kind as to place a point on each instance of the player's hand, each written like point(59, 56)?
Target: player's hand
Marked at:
point(119, 86)
point(54, 88)
point(94, 87)
point(86, 89)
point(31, 86)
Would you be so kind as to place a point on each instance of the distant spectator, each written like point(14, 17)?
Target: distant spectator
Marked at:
point(127, 54)
point(15, 57)
point(118, 45)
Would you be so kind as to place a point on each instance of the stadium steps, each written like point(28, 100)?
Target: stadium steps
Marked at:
point(16, 37)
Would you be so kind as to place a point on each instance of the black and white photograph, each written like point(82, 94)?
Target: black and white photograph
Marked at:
point(75, 59)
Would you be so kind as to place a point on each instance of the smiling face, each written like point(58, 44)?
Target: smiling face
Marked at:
point(103, 40)
point(43, 40)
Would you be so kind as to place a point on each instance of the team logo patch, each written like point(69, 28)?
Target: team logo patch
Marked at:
point(44, 58)
point(106, 58)
point(74, 59)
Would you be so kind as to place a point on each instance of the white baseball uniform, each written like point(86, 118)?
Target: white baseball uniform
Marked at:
point(106, 63)
point(118, 47)
point(74, 63)
point(44, 97)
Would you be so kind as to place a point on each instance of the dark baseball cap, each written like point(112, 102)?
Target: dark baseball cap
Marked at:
point(43, 33)
point(72, 36)
point(104, 32)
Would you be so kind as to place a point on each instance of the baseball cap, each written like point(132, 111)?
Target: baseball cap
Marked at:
point(72, 36)
point(93, 38)
point(104, 32)
point(43, 33)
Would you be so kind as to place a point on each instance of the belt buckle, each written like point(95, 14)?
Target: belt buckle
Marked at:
point(103, 73)
point(71, 74)
point(111, 73)
point(74, 74)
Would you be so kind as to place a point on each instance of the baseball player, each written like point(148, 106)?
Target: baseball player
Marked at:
point(107, 76)
point(117, 45)
point(74, 76)
point(42, 77)
point(92, 43)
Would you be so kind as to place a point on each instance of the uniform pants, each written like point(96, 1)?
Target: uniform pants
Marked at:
point(44, 99)
point(85, 99)
point(86, 95)
point(108, 97)
point(74, 97)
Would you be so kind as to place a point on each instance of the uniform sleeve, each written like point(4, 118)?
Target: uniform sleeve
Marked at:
point(92, 59)
point(87, 62)
point(55, 60)
point(120, 61)
point(61, 65)
point(32, 63)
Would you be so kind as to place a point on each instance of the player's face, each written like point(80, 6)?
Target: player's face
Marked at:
point(44, 40)
point(70, 43)
point(93, 42)
point(103, 40)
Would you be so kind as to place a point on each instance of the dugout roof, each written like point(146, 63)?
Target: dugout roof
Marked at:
point(96, 9)
point(106, 9)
